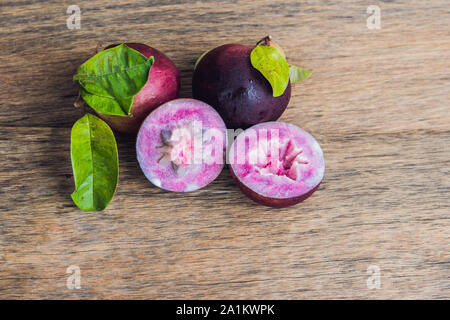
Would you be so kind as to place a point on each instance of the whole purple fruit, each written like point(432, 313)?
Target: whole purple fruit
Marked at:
point(163, 85)
point(225, 79)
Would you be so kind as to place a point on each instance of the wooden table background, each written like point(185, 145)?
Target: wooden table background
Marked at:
point(378, 102)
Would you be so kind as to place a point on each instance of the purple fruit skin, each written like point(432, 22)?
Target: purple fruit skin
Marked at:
point(271, 202)
point(226, 80)
point(163, 86)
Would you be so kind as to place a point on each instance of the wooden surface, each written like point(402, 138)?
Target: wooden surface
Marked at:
point(378, 102)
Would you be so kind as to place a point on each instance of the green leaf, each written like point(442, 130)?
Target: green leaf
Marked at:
point(200, 58)
point(95, 163)
point(273, 66)
point(297, 74)
point(110, 79)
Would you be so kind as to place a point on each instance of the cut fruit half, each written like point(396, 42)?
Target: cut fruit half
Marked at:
point(181, 145)
point(277, 164)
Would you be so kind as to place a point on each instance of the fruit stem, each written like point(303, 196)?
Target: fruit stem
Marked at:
point(268, 41)
point(79, 102)
point(100, 47)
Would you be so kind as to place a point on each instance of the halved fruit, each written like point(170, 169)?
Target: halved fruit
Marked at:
point(181, 145)
point(277, 164)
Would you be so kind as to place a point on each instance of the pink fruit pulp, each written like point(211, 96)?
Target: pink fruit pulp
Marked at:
point(175, 117)
point(163, 85)
point(282, 180)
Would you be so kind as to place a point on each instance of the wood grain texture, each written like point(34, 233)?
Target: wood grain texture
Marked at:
point(378, 102)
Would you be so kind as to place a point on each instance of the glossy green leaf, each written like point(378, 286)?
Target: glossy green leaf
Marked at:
point(110, 79)
point(95, 163)
point(273, 66)
point(297, 74)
